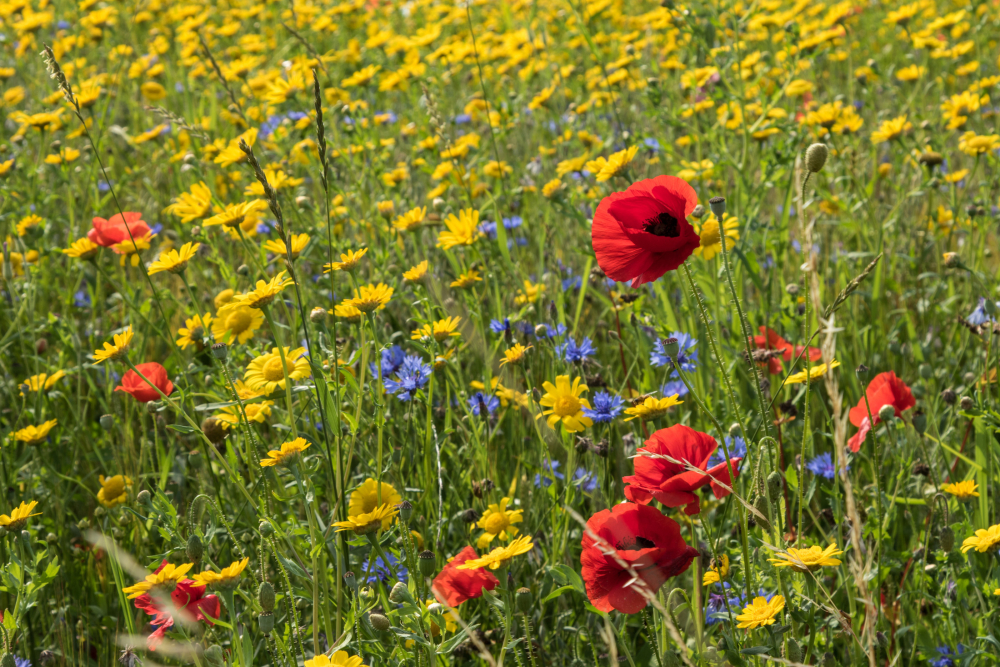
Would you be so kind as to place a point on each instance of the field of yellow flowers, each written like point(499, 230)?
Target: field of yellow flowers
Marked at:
point(508, 333)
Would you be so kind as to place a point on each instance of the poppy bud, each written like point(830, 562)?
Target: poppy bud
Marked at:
point(107, 422)
point(220, 351)
point(541, 330)
point(793, 652)
point(265, 596)
point(195, 548)
point(881, 640)
point(862, 371)
point(816, 157)
point(926, 372)
point(886, 412)
point(829, 659)
point(734, 430)
point(792, 289)
point(966, 403)
point(523, 599)
point(438, 204)
point(718, 206)
point(379, 622)
point(266, 529)
point(946, 538)
point(243, 270)
point(400, 594)
point(41, 345)
point(266, 622)
point(7, 660)
point(698, 212)
point(427, 563)
point(774, 484)
point(764, 507)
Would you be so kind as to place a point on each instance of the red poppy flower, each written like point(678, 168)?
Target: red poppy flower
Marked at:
point(643, 232)
point(884, 389)
point(641, 536)
point(187, 600)
point(456, 586)
point(116, 229)
point(672, 483)
point(140, 389)
point(770, 340)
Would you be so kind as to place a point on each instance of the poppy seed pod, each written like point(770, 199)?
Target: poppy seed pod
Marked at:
point(523, 600)
point(427, 563)
point(671, 347)
point(718, 206)
point(405, 510)
point(266, 623)
point(379, 622)
point(220, 351)
point(265, 596)
point(351, 581)
point(107, 422)
point(816, 157)
point(195, 548)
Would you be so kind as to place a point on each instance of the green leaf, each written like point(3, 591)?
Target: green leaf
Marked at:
point(182, 428)
point(557, 592)
point(791, 478)
point(406, 634)
point(756, 650)
point(564, 575)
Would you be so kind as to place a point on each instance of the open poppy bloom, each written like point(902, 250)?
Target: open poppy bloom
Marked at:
point(189, 602)
point(673, 484)
point(456, 586)
point(643, 232)
point(140, 389)
point(641, 536)
point(884, 389)
point(115, 230)
point(770, 340)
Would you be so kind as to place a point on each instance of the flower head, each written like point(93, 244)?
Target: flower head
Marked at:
point(606, 407)
point(514, 355)
point(368, 298)
point(234, 214)
point(298, 243)
point(148, 386)
point(884, 389)
point(964, 490)
point(193, 331)
point(499, 556)
point(19, 516)
point(410, 220)
point(466, 280)
point(368, 522)
point(439, 331)
point(370, 496)
point(811, 559)
point(456, 585)
point(605, 169)
point(652, 407)
point(711, 236)
point(264, 292)
point(174, 261)
point(267, 372)
point(287, 455)
point(348, 261)
point(984, 540)
point(761, 612)
point(498, 521)
point(814, 373)
point(417, 273)
point(114, 490)
point(236, 322)
point(339, 659)
point(891, 129)
point(42, 381)
point(166, 577)
point(116, 349)
point(717, 572)
point(462, 229)
point(82, 249)
point(32, 435)
point(565, 404)
point(226, 579)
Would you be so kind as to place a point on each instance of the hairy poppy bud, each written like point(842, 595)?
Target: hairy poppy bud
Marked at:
point(793, 651)
point(946, 538)
point(919, 422)
point(966, 403)
point(265, 596)
point(427, 563)
point(816, 157)
point(764, 507)
point(379, 622)
point(195, 548)
point(881, 640)
point(886, 412)
point(143, 497)
point(523, 600)
point(949, 396)
point(774, 484)
point(107, 422)
point(213, 430)
point(266, 622)
point(266, 529)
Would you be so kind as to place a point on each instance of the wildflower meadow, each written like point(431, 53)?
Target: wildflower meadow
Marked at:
point(507, 333)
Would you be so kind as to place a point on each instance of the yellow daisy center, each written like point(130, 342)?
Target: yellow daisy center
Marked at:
point(566, 406)
point(273, 371)
point(239, 321)
point(496, 523)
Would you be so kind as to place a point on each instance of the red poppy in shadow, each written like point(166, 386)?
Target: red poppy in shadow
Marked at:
point(770, 340)
point(643, 232)
point(640, 536)
point(674, 484)
point(140, 389)
point(884, 389)
point(456, 586)
point(116, 229)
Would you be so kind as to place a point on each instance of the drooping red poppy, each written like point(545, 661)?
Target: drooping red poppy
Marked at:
point(672, 483)
point(456, 586)
point(770, 340)
point(140, 389)
point(641, 536)
point(187, 600)
point(884, 389)
point(116, 229)
point(643, 232)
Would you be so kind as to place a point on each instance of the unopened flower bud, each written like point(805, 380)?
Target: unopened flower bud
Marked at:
point(427, 563)
point(379, 622)
point(698, 212)
point(949, 396)
point(317, 315)
point(541, 330)
point(734, 430)
point(886, 412)
point(143, 498)
point(966, 403)
point(266, 529)
point(952, 260)
point(764, 507)
point(774, 484)
point(793, 651)
point(881, 640)
point(946, 538)
point(400, 594)
point(213, 430)
point(523, 600)
point(437, 204)
point(862, 371)
point(919, 422)
point(265, 596)
point(195, 548)
point(107, 422)
point(243, 270)
point(718, 206)
point(816, 157)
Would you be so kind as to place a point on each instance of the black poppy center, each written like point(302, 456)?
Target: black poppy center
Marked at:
point(663, 224)
point(634, 543)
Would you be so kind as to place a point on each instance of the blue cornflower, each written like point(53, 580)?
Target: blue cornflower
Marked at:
point(479, 399)
point(604, 407)
point(945, 656)
point(585, 479)
point(268, 127)
point(380, 571)
point(512, 222)
point(489, 228)
point(671, 387)
point(550, 469)
point(462, 119)
point(525, 328)
point(822, 466)
point(263, 228)
point(573, 282)
point(687, 356)
point(21, 662)
point(737, 450)
point(392, 361)
point(81, 299)
point(412, 376)
point(652, 144)
point(979, 316)
point(573, 353)
point(104, 186)
point(500, 326)
point(555, 330)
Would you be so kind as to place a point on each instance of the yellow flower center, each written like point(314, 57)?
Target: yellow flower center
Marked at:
point(238, 321)
point(273, 371)
point(496, 523)
point(567, 405)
